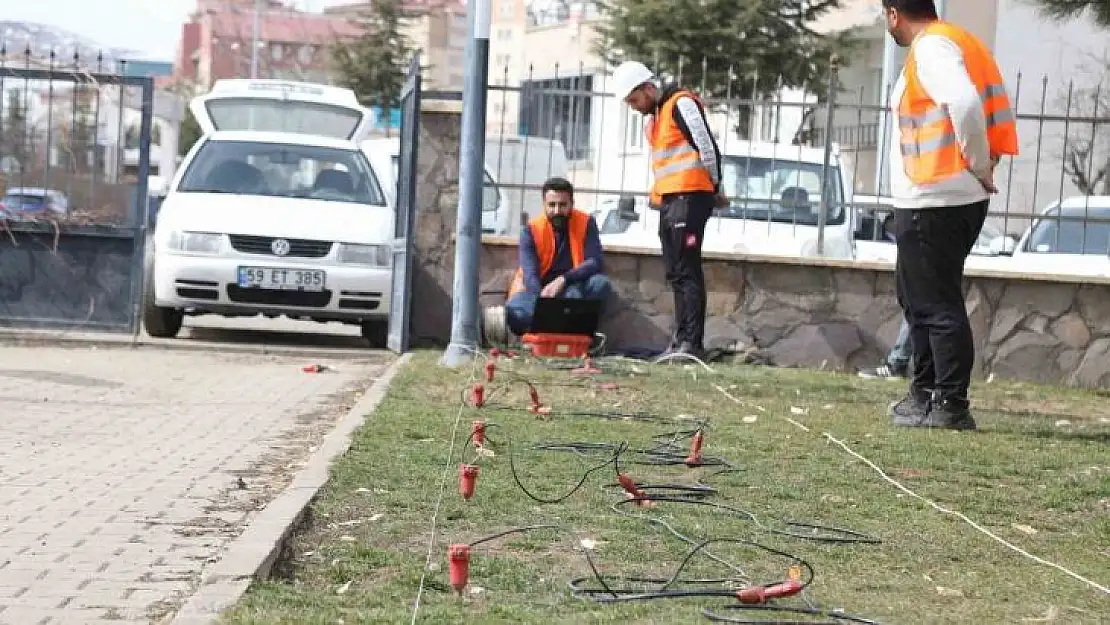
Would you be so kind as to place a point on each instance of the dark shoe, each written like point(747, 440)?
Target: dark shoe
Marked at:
point(952, 415)
point(909, 410)
point(884, 372)
point(944, 415)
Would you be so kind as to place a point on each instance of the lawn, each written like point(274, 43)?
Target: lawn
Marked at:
point(1036, 474)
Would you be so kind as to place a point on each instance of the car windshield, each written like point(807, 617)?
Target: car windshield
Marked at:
point(780, 190)
point(282, 170)
point(613, 224)
point(1075, 232)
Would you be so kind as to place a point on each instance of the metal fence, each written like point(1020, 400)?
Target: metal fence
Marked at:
point(74, 159)
point(565, 122)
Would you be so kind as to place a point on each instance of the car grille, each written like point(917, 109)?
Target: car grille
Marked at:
point(298, 248)
point(300, 299)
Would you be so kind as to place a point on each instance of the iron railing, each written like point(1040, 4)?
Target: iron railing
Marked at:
point(566, 122)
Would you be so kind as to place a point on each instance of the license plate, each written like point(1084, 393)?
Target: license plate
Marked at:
point(282, 279)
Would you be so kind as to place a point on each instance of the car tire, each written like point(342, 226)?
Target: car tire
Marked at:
point(376, 332)
point(161, 323)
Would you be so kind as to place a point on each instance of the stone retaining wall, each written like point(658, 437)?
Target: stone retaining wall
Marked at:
point(798, 312)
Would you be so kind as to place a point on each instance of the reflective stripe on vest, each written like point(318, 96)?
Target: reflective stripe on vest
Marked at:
point(928, 139)
point(675, 165)
point(544, 236)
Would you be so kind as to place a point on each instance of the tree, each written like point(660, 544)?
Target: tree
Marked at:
point(374, 64)
point(735, 48)
point(1088, 169)
point(188, 134)
point(1061, 10)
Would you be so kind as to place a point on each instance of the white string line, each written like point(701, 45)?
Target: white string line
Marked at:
point(442, 488)
point(941, 508)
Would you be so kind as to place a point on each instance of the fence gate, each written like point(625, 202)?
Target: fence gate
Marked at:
point(74, 160)
point(405, 215)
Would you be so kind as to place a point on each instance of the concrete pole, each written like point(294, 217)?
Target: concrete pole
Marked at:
point(890, 61)
point(465, 339)
point(256, 27)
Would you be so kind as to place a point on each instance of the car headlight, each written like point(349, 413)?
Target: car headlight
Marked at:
point(195, 242)
point(373, 255)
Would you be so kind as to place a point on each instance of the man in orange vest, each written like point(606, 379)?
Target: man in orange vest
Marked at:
point(686, 168)
point(954, 122)
point(560, 256)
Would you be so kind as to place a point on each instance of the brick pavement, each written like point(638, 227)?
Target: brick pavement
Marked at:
point(123, 472)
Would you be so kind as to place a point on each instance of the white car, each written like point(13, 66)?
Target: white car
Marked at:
point(1069, 238)
point(275, 211)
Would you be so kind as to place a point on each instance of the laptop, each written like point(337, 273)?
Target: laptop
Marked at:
point(560, 315)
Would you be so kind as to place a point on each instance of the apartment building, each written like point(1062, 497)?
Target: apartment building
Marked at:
point(294, 45)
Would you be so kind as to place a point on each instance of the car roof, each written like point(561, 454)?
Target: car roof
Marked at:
point(286, 138)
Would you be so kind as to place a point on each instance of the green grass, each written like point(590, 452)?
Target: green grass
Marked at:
point(1027, 476)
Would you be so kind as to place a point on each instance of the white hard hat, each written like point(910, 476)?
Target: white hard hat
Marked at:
point(628, 76)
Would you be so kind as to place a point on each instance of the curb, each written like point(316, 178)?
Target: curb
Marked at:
point(39, 338)
point(252, 555)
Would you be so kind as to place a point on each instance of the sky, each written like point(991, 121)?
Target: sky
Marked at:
point(151, 27)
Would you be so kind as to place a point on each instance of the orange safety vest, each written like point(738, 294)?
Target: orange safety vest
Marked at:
point(544, 236)
point(675, 164)
point(928, 140)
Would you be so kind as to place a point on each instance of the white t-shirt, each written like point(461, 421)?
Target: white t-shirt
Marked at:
point(941, 72)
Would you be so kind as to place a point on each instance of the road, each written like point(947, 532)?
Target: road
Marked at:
point(125, 470)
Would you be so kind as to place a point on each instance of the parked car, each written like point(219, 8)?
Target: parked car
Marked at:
point(21, 203)
point(875, 215)
point(275, 211)
point(775, 205)
point(495, 204)
point(1069, 238)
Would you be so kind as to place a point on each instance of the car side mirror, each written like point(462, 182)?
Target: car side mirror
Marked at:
point(626, 208)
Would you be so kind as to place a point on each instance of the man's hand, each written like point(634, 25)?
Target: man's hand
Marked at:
point(987, 181)
point(554, 288)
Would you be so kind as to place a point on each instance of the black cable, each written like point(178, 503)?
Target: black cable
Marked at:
point(664, 592)
point(844, 535)
point(585, 476)
point(515, 530)
point(840, 617)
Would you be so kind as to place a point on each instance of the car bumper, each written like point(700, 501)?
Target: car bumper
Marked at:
point(210, 285)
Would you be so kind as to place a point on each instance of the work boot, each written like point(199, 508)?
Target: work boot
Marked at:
point(911, 409)
point(945, 414)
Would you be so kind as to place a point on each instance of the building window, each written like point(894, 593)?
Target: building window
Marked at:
point(276, 51)
point(305, 54)
point(502, 61)
point(633, 131)
point(508, 8)
point(559, 109)
point(504, 34)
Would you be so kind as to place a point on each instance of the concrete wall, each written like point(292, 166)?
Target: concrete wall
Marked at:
point(798, 312)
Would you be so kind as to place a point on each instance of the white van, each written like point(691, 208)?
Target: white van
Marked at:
point(496, 217)
point(775, 193)
point(520, 165)
point(274, 211)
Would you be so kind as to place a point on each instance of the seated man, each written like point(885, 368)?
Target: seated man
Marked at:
point(560, 256)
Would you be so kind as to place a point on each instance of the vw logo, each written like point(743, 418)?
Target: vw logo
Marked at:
point(280, 247)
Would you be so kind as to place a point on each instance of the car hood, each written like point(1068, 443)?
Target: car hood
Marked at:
point(292, 218)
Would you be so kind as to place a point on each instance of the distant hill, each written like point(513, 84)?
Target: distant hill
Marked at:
point(16, 37)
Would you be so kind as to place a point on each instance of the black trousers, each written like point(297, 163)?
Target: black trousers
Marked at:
point(682, 220)
point(933, 244)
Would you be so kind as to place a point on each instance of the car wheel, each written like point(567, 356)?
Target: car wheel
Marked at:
point(376, 332)
point(162, 323)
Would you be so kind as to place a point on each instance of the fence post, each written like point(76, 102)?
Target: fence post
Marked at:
point(823, 213)
point(468, 228)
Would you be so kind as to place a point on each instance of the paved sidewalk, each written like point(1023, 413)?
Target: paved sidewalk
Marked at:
point(124, 471)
